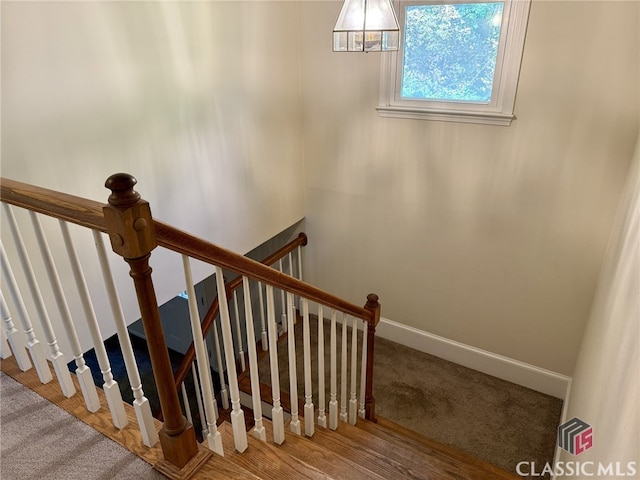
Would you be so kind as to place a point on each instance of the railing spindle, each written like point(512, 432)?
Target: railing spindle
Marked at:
point(236, 314)
point(363, 372)
point(57, 358)
point(16, 342)
point(33, 344)
point(185, 402)
point(237, 414)
point(277, 414)
point(353, 401)
point(140, 403)
point(343, 371)
point(294, 424)
point(308, 389)
point(333, 396)
point(322, 418)
point(214, 440)
point(283, 316)
point(263, 325)
point(258, 430)
point(196, 386)
point(110, 386)
point(224, 392)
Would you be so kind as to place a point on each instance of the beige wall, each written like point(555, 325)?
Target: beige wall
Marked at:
point(199, 100)
point(605, 391)
point(489, 236)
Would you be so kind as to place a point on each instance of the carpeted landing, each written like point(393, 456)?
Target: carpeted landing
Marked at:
point(493, 420)
point(41, 441)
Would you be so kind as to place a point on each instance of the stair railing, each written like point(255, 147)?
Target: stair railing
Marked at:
point(232, 288)
point(133, 234)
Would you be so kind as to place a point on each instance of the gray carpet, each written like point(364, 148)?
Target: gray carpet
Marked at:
point(493, 420)
point(38, 440)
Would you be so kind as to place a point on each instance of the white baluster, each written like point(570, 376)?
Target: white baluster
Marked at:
point(308, 392)
point(83, 372)
point(57, 358)
point(236, 315)
point(343, 371)
point(214, 440)
point(258, 430)
point(277, 415)
point(333, 393)
point(322, 418)
point(283, 316)
point(141, 404)
point(196, 385)
point(33, 344)
point(5, 350)
point(224, 393)
point(293, 297)
point(237, 414)
point(110, 386)
point(16, 341)
point(353, 400)
point(363, 372)
point(294, 424)
point(299, 251)
point(185, 402)
point(263, 325)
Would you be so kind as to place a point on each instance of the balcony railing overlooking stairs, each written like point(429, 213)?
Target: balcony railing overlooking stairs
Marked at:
point(133, 234)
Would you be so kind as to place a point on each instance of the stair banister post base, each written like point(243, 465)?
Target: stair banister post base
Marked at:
point(169, 469)
point(132, 234)
point(370, 403)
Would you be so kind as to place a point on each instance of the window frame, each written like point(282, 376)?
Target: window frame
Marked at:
point(500, 109)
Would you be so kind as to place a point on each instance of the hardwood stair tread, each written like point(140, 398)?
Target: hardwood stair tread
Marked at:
point(266, 460)
point(328, 460)
point(387, 459)
point(472, 468)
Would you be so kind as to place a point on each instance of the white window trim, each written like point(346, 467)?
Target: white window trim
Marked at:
point(499, 111)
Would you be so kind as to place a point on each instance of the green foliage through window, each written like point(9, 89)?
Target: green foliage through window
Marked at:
point(450, 51)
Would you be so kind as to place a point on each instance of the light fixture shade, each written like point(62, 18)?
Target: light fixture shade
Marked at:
point(366, 26)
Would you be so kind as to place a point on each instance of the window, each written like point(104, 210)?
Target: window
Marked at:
point(458, 61)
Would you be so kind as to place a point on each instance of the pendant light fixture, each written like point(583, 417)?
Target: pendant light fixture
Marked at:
point(366, 26)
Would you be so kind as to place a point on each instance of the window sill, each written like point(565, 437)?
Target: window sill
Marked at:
point(487, 118)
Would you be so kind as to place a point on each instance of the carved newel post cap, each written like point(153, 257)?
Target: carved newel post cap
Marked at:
point(372, 300)
point(122, 192)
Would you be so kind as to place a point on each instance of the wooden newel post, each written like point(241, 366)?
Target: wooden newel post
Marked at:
point(132, 236)
point(369, 402)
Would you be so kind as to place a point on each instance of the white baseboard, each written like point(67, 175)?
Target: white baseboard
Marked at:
point(515, 371)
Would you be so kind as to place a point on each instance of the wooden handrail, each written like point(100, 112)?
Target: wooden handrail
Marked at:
point(88, 213)
point(194, 247)
point(70, 208)
point(207, 321)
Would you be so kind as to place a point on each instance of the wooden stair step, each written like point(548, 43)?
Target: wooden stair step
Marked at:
point(223, 468)
point(387, 459)
point(444, 458)
point(330, 461)
point(266, 460)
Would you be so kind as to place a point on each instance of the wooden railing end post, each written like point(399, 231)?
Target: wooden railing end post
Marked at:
point(369, 402)
point(131, 231)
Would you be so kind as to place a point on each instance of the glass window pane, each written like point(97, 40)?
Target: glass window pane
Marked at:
point(450, 51)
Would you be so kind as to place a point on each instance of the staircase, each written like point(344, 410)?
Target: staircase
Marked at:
point(356, 443)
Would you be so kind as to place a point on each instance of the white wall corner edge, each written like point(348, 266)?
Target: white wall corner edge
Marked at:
point(514, 371)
